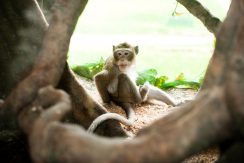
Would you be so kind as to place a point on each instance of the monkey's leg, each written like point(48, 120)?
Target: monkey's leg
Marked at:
point(130, 113)
point(101, 84)
point(127, 90)
point(158, 94)
point(144, 89)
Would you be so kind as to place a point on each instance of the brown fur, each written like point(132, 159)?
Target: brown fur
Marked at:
point(116, 83)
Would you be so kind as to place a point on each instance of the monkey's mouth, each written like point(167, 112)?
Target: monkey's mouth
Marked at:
point(123, 65)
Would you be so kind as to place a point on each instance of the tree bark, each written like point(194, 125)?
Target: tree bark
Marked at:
point(18, 48)
point(85, 109)
point(214, 116)
point(195, 8)
point(48, 69)
point(32, 56)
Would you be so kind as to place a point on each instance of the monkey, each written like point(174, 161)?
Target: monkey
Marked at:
point(117, 83)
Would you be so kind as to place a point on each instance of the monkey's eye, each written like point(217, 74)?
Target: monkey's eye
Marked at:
point(126, 53)
point(119, 53)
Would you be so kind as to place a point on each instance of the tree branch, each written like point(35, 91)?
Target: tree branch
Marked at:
point(193, 128)
point(196, 9)
point(85, 109)
point(52, 57)
point(196, 126)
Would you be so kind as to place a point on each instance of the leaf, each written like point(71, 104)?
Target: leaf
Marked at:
point(88, 70)
point(82, 71)
point(180, 84)
point(149, 75)
point(178, 13)
point(160, 80)
point(146, 75)
point(180, 77)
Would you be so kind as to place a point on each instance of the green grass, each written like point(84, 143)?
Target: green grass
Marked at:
point(169, 44)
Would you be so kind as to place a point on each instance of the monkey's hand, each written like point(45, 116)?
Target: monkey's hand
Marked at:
point(113, 87)
point(108, 104)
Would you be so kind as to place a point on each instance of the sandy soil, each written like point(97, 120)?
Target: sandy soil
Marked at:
point(148, 113)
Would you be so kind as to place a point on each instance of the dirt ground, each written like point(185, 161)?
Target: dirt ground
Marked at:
point(147, 113)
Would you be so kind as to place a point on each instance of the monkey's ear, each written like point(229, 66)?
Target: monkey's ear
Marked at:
point(114, 47)
point(136, 48)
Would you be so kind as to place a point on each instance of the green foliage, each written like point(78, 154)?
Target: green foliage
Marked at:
point(90, 69)
point(147, 75)
point(150, 75)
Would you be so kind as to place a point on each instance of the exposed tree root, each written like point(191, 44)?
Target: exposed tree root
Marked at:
point(48, 70)
point(167, 140)
point(52, 57)
point(85, 109)
point(213, 117)
point(206, 121)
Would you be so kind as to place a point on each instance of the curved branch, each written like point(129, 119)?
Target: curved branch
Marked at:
point(84, 108)
point(235, 71)
point(49, 67)
point(196, 9)
point(52, 56)
point(226, 37)
point(57, 101)
point(196, 126)
point(18, 47)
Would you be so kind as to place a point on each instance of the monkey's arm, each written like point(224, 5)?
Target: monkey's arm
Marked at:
point(101, 81)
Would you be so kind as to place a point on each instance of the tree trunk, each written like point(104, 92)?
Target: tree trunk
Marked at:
point(18, 48)
point(84, 108)
point(214, 117)
point(30, 59)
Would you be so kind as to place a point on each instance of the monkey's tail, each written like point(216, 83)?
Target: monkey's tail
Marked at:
point(108, 116)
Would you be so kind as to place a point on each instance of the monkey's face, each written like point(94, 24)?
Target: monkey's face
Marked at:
point(124, 58)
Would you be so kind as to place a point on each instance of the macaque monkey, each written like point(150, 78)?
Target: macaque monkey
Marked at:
point(117, 83)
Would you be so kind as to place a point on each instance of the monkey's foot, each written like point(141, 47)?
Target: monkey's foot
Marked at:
point(144, 89)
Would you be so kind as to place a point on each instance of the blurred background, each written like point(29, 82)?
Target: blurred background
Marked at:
point(170, 43)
